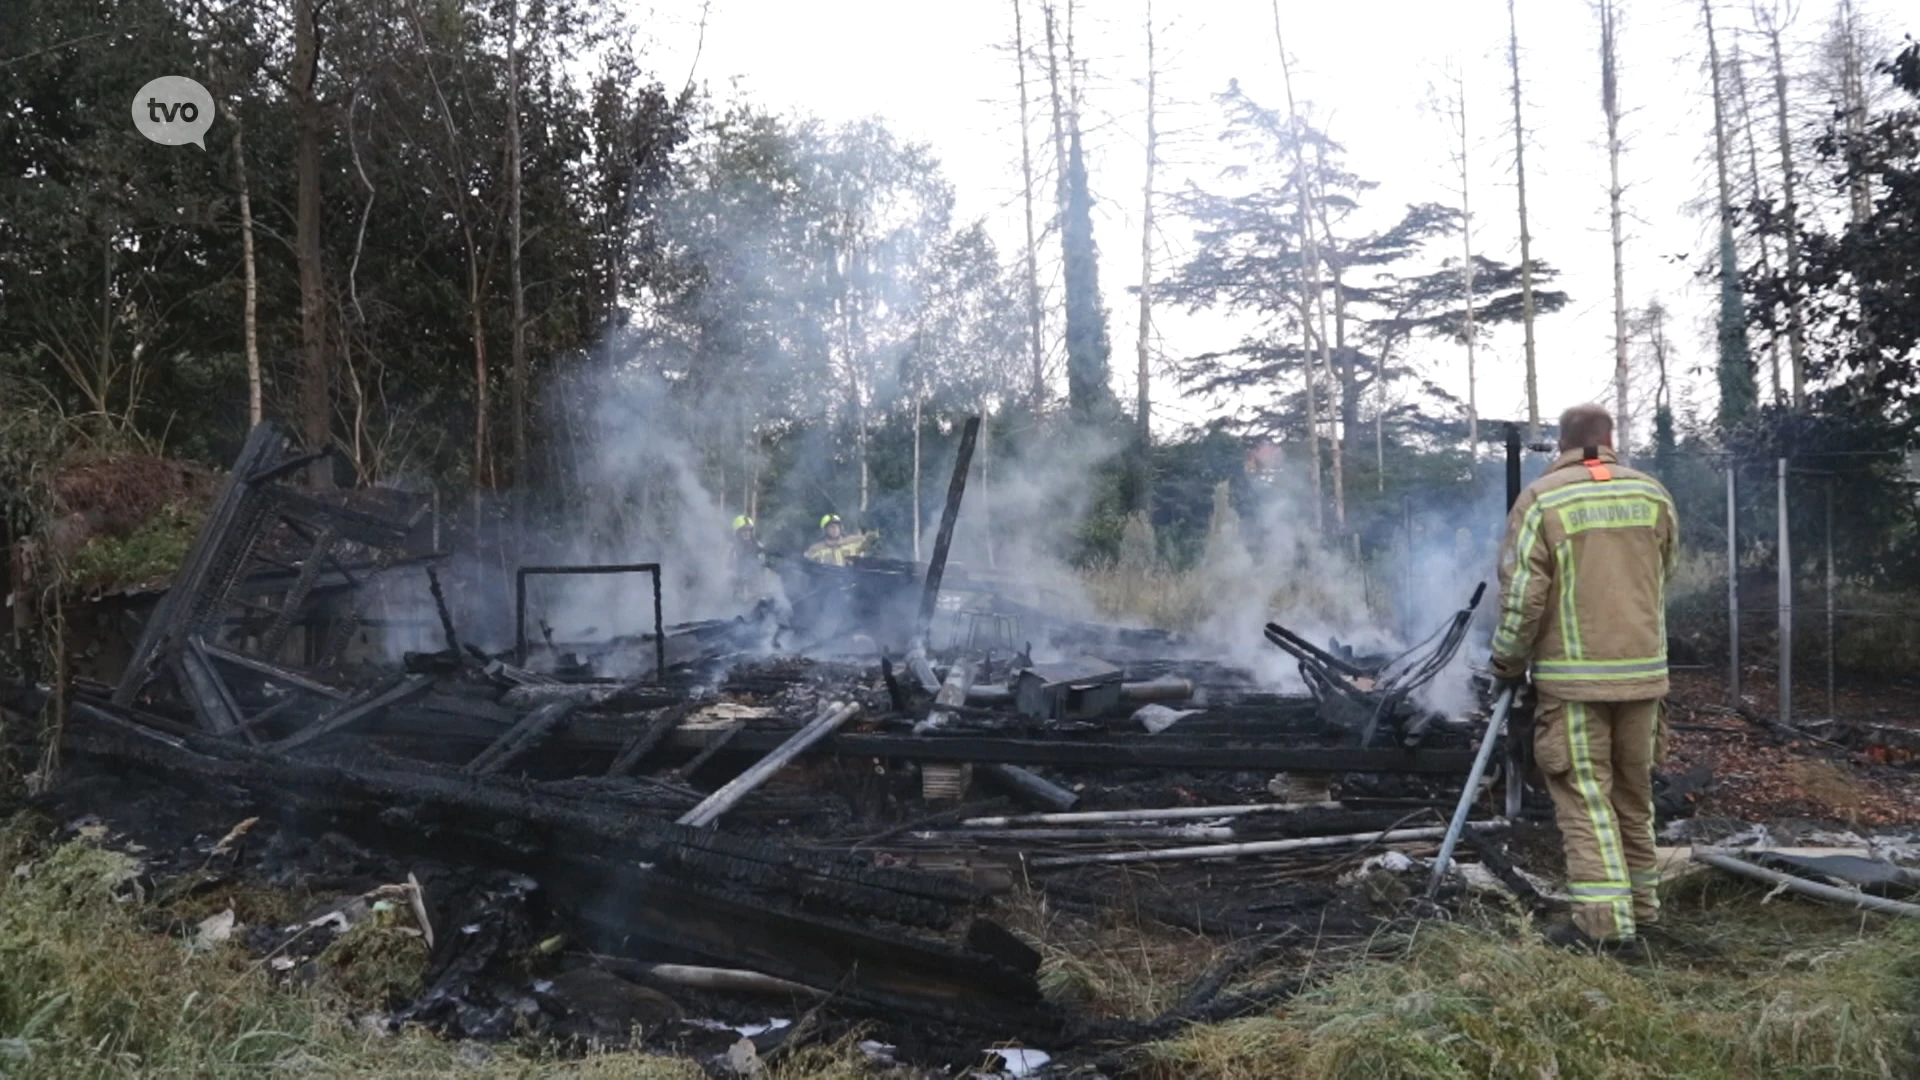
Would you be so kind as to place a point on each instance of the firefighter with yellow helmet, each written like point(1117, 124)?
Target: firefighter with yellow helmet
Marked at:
point(749, 562)
point(835, 547)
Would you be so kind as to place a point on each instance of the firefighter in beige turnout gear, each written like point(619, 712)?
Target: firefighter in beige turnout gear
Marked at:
point(1583, 574)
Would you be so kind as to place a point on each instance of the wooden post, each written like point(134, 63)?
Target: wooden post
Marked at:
point(937, 566)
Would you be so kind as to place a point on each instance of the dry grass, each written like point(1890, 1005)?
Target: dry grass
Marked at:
point(1116, 965)
point(1787, 990)
point(86, 990)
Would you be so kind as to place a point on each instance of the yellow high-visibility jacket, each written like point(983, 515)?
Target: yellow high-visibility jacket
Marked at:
point(1583, 582)
point(837, 552)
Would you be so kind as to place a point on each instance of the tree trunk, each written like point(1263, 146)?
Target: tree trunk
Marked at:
point(1736, 380)
point(1145, 403)
point(1469, 330)
point(1853, 103)
point(986, 475)
point(250, 321)
point(1059, 119)
point(520, 459)
point(482, 398)
point(1313, 260)
point(316, 375)
point(1038, 388)
point(1526, 238)
point(916, 476)
point(1610, 102)
point(1763, 250)
point(1309, 279)
point(1790, 210)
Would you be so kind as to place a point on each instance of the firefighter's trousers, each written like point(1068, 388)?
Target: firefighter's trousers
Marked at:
point(1598, 757)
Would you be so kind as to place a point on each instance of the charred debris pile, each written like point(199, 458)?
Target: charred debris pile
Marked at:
point(844, 812)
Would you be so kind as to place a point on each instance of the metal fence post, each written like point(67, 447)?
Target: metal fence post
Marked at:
point(1785, 606)
point(1733, 582)
point(1832, 712)
point(1407, 615)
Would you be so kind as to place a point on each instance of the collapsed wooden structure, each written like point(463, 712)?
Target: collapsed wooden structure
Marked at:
point(796, 816)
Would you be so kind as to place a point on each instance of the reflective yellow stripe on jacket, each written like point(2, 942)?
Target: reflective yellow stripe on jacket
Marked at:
point(1583, 582)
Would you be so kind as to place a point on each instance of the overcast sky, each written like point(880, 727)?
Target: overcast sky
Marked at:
point(943, 74)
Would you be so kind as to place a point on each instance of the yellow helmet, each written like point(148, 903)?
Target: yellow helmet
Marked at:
point(742, 521)
point(830, 519)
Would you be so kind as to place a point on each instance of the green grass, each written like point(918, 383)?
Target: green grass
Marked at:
point(153, 551)
point(1741, 988)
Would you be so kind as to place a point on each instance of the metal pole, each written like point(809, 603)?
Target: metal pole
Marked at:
point(1459, 822)
point(1832, 713)
point(1785, 606)
point(1733, 581)
point(1406, 606)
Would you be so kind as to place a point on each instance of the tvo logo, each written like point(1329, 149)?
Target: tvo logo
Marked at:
point(173, 110)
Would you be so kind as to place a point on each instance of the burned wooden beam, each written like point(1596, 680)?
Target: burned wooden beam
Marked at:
point(215, 552)
point(709, 811)
point(357, 710)
point(637, 885)
point(643, 742)
point(1030, 787)
point(719, 742)
point(943, 540)
point(273, 672)
point(210, 699)
point(521, 575)
point(1151, 752)
point(521, 737)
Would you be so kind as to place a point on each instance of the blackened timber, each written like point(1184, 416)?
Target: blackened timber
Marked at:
point(591, 853)
point(1152, 752)
point(648, 737)
point(296, 596)
point(273, 672)
point(720, 742)
point(1030, 787)
point(734, 790)
point(521, 737)
point(357, 525)
point(354, 711)
point(210, 700)
point(937, 566)
point(212, 552)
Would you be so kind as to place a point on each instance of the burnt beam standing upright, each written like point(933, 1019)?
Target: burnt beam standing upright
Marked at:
point(937, 566)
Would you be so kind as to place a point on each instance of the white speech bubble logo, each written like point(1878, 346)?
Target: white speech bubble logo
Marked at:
point(173, 110)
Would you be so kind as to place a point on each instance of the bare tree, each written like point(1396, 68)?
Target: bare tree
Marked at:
point(316, 375)
point(1772, 20)
point(1736, 380)
point(1145, 404)
point(1312, 293)
point(250, 321)
point(1456, 107)
point(1736, 77)
point(1059, 116)
point(1846, 52)
point(520, 458)
point(477, 223)
point(1039, 385)
point(1526, 238)
point(1609, 13)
